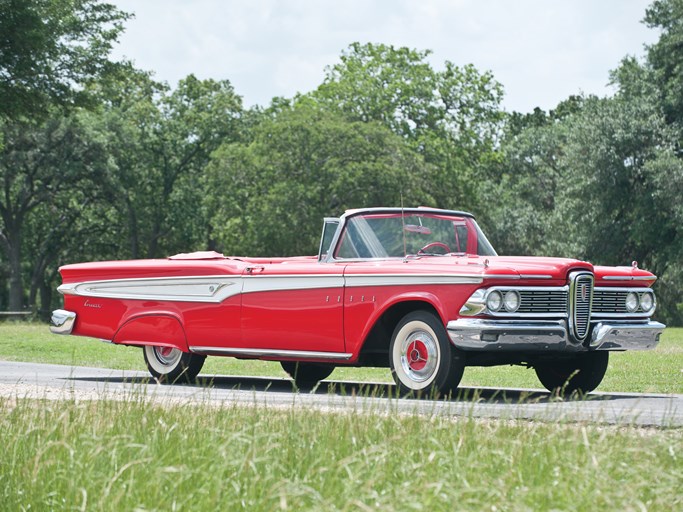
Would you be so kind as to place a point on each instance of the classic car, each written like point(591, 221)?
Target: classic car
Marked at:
point(418, 290)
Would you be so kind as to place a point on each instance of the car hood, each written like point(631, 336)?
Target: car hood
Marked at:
point(533, 268)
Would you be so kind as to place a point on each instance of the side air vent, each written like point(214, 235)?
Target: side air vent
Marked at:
point(580, 300)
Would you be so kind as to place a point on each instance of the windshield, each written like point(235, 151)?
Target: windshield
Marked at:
point(396, 235)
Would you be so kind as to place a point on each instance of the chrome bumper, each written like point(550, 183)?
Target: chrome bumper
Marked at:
point(62, 321)
point(550, 336)
point(626, 336)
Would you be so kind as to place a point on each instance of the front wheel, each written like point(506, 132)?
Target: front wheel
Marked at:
point(307, 375)
point(582, 373)
point(423, 361)
point(170, 365)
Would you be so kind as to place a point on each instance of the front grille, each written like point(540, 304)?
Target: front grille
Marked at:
point(611, 301)
point(543, 301)
point(581, 293)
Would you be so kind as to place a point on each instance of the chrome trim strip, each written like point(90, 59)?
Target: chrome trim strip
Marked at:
point(535, 276)
point(272, 353)
point(62, 321)
point(629, 278)
point(502, 276)
point(626, 336)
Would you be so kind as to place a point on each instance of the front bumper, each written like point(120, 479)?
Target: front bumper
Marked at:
point(62, 321)
point(550, 336)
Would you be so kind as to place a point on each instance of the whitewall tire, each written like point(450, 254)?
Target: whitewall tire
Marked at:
point(423, 361)
point(169, 365)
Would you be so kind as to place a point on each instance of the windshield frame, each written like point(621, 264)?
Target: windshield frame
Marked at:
point(332, 257)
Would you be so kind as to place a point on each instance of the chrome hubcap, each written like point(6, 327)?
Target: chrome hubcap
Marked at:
point(167, 356)
point(419, 356)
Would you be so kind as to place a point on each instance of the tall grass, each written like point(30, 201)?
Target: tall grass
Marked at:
point(137, 455)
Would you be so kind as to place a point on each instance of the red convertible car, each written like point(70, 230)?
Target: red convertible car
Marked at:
point(418, 290)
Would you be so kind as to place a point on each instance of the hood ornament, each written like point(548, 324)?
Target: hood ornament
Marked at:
point(634, 264)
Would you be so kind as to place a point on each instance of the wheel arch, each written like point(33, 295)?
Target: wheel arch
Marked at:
point(375, 346)
point(157, 329)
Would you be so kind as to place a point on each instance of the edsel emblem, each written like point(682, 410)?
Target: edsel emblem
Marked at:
point(584, 292)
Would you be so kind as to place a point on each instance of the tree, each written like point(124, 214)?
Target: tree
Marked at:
point(450, 117)
point(50, 50)
point(268, 195)
point(160, 141)
point(665, 57)
point(42, 165)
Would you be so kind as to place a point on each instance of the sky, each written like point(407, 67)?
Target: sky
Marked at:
point(542, 51)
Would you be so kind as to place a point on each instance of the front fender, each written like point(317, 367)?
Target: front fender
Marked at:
point(355, 345)
point(162, 330)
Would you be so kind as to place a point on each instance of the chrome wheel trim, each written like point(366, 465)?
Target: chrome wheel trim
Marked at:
point(416, 355)
point(163, 359)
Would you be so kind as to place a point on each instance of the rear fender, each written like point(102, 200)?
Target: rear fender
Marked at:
point(156, 329)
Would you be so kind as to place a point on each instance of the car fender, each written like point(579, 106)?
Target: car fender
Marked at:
point(430, 299)
point(158, 329)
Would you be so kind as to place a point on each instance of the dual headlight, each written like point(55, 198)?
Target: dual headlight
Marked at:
point(499, 300)
point(645, 301)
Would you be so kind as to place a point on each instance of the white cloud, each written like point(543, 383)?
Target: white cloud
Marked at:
point(541, 51)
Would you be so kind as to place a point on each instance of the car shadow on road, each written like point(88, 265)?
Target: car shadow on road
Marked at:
point(361, 389)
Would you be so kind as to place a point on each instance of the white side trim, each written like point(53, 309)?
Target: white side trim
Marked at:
point(216, 289)
point(269, 283)
point(176, 289)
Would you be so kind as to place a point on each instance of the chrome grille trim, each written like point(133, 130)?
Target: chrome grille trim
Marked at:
point(536, 302)
point(610, 302)
point(580, 300)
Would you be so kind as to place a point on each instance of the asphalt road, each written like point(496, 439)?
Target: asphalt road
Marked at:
point(48, 381)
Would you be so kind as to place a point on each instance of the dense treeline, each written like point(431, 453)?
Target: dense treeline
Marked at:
point(99, 161)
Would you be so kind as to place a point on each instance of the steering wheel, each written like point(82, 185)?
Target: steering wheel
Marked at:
point(434, 244)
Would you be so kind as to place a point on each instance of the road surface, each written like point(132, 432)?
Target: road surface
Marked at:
point(47, 381)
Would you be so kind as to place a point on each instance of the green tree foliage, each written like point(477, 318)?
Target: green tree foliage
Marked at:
point(51, 49)
point(48, 170)
point(665, 57)
point(596, 179)
point(160, 141)
point(271, 193)
point(450, 117)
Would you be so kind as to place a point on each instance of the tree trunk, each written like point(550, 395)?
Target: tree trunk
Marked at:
point(16, 285)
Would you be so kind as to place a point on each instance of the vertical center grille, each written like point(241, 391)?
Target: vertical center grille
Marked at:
point(580, 299)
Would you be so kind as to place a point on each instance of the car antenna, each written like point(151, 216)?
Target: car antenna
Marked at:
point(403, 223)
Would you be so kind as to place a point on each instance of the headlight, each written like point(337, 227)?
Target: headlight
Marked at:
point(647, 302)
point(511, 301)
point(631, 302)
point(494, 301)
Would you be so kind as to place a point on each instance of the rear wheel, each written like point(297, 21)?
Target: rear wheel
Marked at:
point(307, 375)
point(170, 365)
point(582, 373)
point(423, 361)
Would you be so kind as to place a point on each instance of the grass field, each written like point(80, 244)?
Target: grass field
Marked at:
point(134, 455)
point(138, 454)
point(657, 371)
